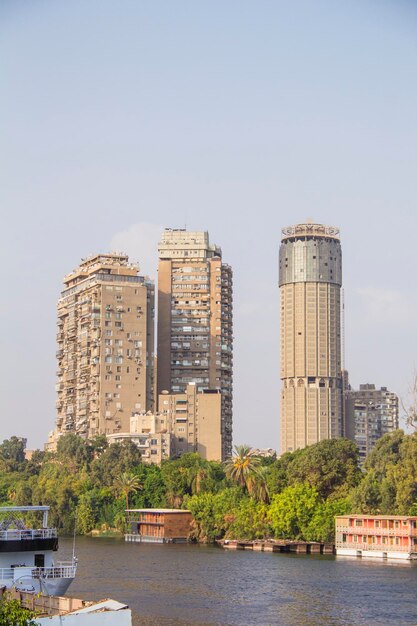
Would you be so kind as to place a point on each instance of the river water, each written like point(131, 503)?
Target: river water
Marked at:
point(192, 585)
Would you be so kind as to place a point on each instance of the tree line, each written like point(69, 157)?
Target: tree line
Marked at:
point(295, 496)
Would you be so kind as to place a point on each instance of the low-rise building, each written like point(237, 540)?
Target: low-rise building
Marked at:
point(384, 536)
point(195, 420)
point(158, 525)
point(154, 447)
point(186, 422)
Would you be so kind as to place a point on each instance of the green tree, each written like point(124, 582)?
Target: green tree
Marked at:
point(277, 475)
point(73, 452)
point(98, 445)
point(13, 614)
point(153, 488)
point(250, 521)
point(213, 513)
point(86, 519)
point(126, 484)
point(322, 523)
point(291, 511)
point(12, 454)
point(113, 461)
point(366, 498)
point(242, 466)
point(257, 485)
point(330, 466)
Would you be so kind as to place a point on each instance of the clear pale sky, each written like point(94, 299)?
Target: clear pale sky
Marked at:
point(118, 119)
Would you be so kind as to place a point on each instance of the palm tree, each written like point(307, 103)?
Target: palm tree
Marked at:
point(243, 466)
point(197, 479)
point(257, 485)
point(126, 484)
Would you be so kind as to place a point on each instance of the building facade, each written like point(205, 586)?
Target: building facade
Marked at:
point(154, 447)
point(194, 419)
point(105, 347)
point(310, 279)
point(195, 321)
point(384, 536)
point(185, 422)
point(370, 414)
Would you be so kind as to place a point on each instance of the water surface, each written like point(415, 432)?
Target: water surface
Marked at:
point(192, 585)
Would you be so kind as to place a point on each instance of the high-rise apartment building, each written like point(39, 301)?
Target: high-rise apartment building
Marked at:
point(310, 279)
point(105, 346)
point(370, 414)
point(195, 334)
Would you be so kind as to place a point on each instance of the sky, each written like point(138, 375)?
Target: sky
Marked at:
point(118, 119)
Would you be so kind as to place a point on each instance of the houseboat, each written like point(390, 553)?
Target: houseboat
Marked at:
point(158, 525)
point(384, 536)
point(26, 553)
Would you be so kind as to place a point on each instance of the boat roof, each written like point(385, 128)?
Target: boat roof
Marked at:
point(377, 517)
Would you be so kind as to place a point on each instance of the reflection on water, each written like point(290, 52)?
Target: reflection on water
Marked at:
point(175, 585)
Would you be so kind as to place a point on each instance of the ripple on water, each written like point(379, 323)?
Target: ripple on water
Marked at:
point(189, 585)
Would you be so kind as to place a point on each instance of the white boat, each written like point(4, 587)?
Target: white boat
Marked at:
point(26, 554)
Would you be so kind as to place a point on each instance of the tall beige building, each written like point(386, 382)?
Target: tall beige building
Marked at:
point(195, 333)
point(105, 347)
point(310, 279)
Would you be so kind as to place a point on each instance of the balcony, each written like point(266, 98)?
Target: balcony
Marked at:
point(404, 531)
point(379, 547)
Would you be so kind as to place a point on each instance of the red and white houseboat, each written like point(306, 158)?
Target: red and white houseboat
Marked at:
point(384, 536)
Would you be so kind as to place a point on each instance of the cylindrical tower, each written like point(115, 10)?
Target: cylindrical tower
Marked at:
point(310, 279)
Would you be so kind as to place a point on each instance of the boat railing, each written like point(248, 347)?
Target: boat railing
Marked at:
point(61, 570)
point(6, 573)
point(31, 533)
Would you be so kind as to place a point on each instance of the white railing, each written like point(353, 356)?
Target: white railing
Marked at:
point(380, 547)
point(62, 570)
point(18, 535)
point(6, 573)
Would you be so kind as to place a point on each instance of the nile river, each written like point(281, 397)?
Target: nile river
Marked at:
point(173, 585)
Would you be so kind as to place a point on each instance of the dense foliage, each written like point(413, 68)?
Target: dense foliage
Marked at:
point(13, 614)
point(294, 496)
